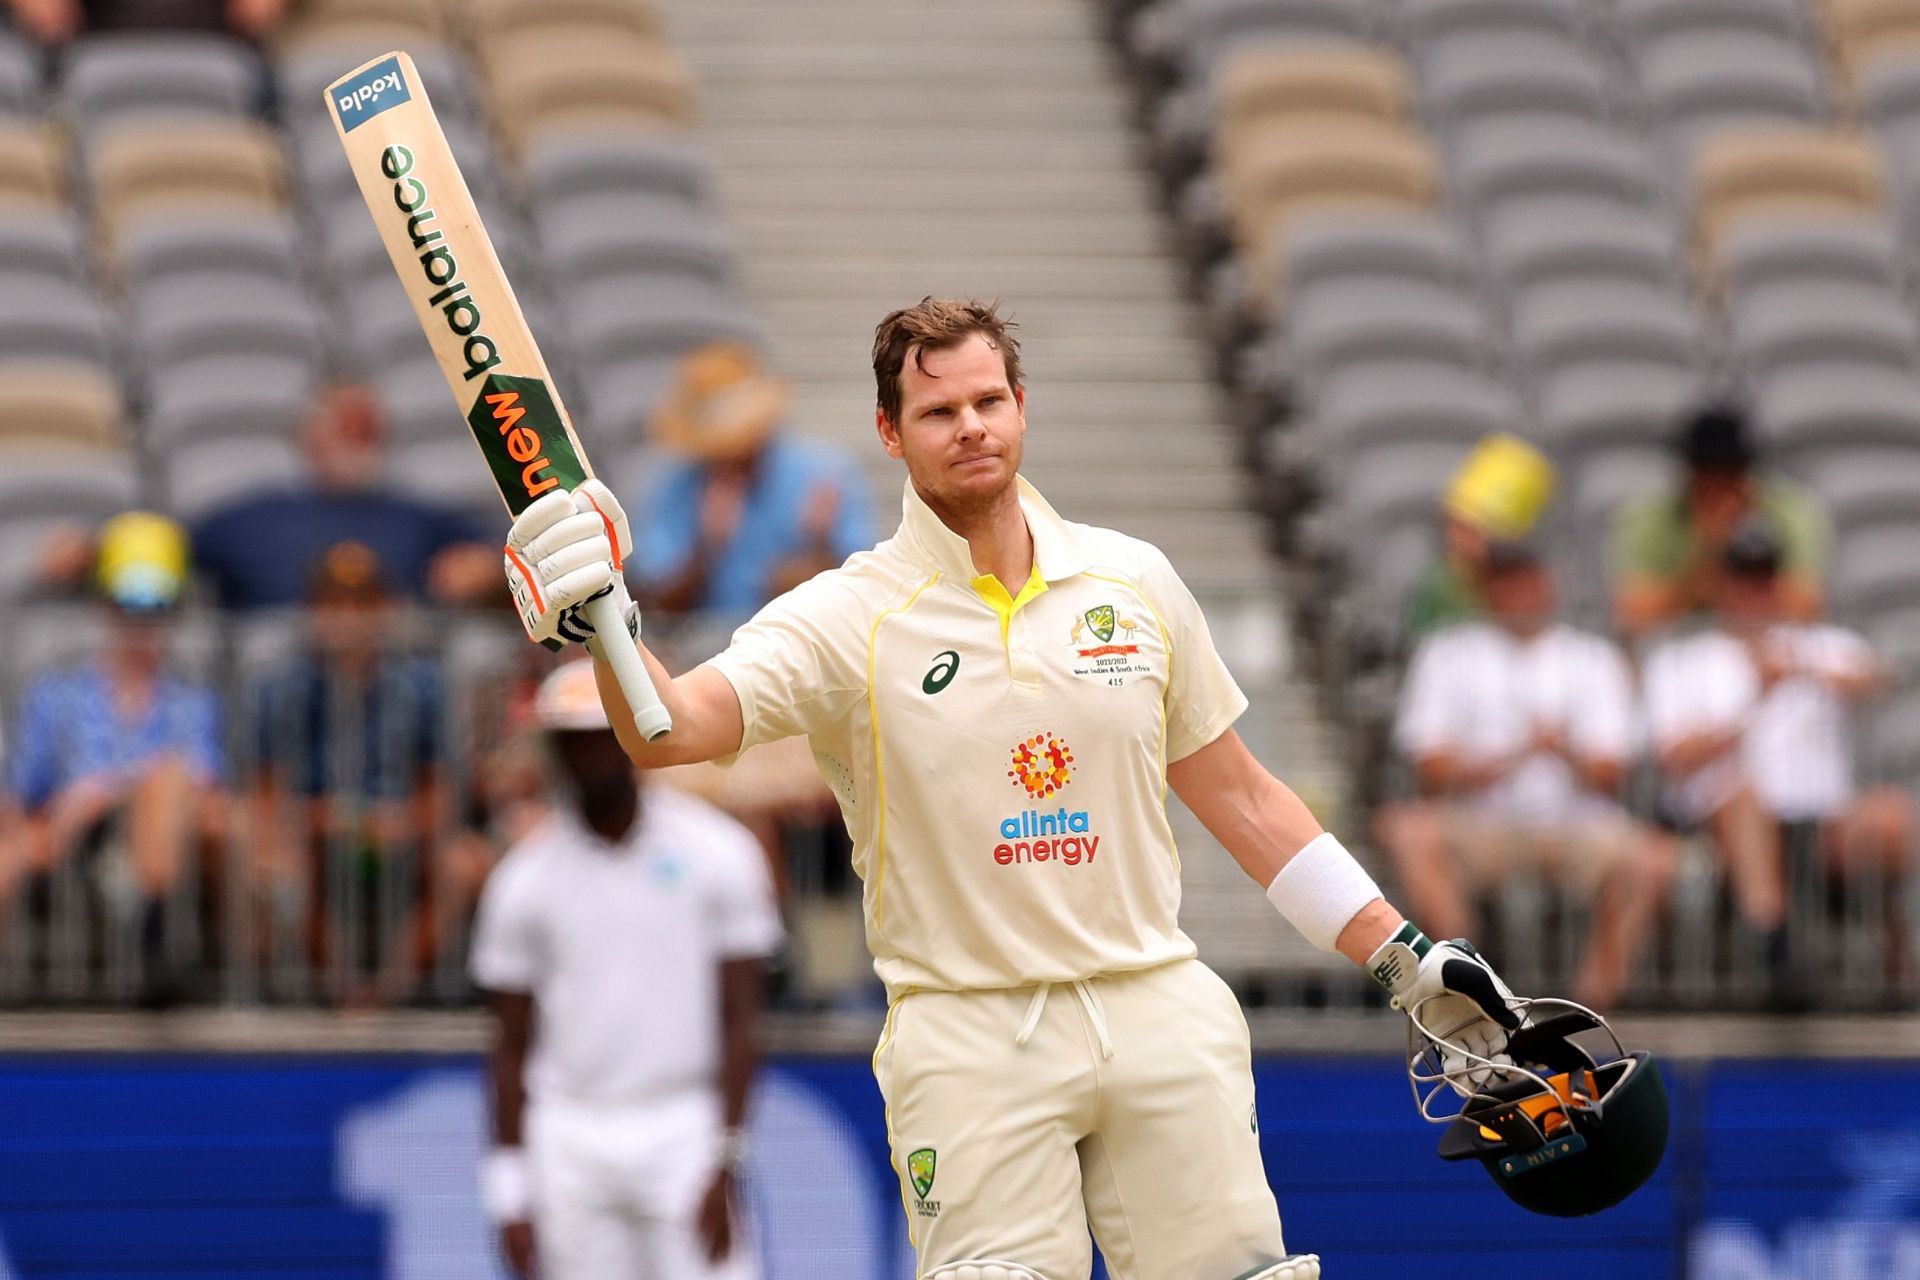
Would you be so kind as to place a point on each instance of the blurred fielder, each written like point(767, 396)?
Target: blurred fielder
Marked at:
point(621, 941)
point(999, 698)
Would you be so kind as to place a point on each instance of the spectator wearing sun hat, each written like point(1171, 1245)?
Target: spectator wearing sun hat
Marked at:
point(118, 753)
point(1497, 494)
point(744, 510)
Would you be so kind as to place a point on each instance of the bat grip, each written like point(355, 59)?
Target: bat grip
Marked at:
point(610, 643)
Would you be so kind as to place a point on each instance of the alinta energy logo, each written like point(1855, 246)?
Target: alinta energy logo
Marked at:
point(1042, 766)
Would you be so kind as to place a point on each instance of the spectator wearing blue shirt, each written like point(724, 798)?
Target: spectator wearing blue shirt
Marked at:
point(118, 753)
point(350, 796)
point(744, 511)
point(261, 551)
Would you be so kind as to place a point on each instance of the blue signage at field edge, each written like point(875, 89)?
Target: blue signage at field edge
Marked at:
point(379, 88)
point(362, 1168)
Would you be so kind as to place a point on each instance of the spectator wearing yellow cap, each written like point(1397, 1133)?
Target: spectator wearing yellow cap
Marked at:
point(1497, 494)
point(117, 755)
point(745, 510)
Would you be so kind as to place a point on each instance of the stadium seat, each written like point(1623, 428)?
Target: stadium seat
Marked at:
point(1592, 406)
point(1282, 173)
point(1342, 322)
point(1423, 21)
point(229, 398)
point(1472, 76)
point(201, 477)
point(1783, 171)
point(46, 487)
point(1696, 83)
point(398, 23)
point(612, 322)
point(1644, 21)
point(184, 317)
point(1501, 161)
point(1584, 241)
point(45, 317)
point(31, 170)
point(575, 74)
point(1860, 488)
point(620, 399)
point(324, 176)
point(1864, 31)
point(1377, 500)
point(1558, 325)
point(1609, 478)
point(1183, 39)
point(447, 470)
point(511, 18)
point(147, 163)
point(1418, 247)
point(572, 164)
point(1274, 83)
point(416, 403)
point(184, 242)
point(118, 75)
point(1798, 322)
point(1758, 251)
point(1891, 741)
point(60, 403)
point(20, 90)
point(1874, 569)
point(582, 250)
point(1368, 408)
point(1840, 405)
point(1888, 88)
point(42, 242)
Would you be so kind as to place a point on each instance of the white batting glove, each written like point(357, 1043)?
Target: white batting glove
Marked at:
point(563, 551)
point(1461, 1001)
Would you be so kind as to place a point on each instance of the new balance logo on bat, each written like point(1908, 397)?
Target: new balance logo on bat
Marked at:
point(381, 88)
point(437, 263)
point(523, 443)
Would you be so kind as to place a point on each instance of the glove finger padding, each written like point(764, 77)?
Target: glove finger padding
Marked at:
point(593, 497)
point(574, 530)
point(541, 515)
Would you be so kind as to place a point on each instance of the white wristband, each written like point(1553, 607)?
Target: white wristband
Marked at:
point(506, 1185)
point(1320, 889)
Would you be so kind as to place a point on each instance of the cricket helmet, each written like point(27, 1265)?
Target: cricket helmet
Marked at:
point(1563, 1128)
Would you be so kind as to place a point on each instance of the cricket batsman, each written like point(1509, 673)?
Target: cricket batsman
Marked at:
point(999, 699)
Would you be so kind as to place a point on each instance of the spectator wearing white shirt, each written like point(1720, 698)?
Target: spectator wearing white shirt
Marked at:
point(621, 942)
point(1520, 729)
point(1785, 690)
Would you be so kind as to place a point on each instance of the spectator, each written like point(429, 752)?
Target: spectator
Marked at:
point(1703, 695)
point(1498, 492)
point(1801, 681)
point(57, 21)
point(261, 550)
point(747, 510)
point(116, 756)
point(350, 800)
point(1667, 547)
point(1520, 730)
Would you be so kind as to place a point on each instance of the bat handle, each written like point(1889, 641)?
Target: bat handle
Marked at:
point(609, 642)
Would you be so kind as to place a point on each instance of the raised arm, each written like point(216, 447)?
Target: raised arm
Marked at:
point(706, 714)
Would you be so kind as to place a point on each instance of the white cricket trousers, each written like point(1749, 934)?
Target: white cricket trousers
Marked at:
point(1019, 1118)
point(617, 1190)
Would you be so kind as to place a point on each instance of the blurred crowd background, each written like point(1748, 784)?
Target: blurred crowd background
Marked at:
point(1565, 353)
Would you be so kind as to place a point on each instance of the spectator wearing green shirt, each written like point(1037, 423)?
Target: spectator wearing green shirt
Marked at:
point(1668, 547)
point(1496, 495)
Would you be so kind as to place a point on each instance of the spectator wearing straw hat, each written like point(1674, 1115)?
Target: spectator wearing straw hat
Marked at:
point(1497, 494)
point(745, 511)
point(119, 757)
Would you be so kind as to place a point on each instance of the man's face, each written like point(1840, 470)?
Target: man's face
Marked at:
point(961, 426)
point(346, 442)
point(140, 637)
point(1520, 598)
point(593, 766)
point(348, 627)
point(1718, 497)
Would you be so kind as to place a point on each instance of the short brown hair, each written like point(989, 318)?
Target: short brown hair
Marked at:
point(937, 323)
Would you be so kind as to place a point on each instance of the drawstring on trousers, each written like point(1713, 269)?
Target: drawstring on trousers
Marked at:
point(1088, 1002)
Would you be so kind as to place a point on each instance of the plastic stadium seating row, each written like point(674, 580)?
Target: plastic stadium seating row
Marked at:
point(184, 255)
point(1418, 221)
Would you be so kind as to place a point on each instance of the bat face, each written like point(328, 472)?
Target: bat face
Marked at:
point(448, 267)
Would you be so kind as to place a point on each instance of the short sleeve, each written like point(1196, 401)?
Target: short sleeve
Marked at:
point(799, 665)
point(1604, 728)
point(1421, 727)
point(508, 952)
point(740, 900)
point(1646, 541)
point(669, 525)
point(1203, 700)
point(34, 771)
point(1806, 535)
point(202, 734)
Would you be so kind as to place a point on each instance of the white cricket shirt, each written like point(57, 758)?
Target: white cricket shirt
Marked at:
point(620, 945)
point(1000, 759)
point(1482, 693)
point(1700, 683)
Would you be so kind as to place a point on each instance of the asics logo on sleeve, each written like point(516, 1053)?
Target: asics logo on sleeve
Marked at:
point(945, 665)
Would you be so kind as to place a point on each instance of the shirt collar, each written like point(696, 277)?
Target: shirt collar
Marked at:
point(1057, 549)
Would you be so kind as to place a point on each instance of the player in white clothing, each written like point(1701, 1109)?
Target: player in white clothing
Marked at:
point(621, 943)
point(999, 699)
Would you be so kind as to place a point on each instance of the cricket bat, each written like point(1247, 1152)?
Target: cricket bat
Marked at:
point(447, 265)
